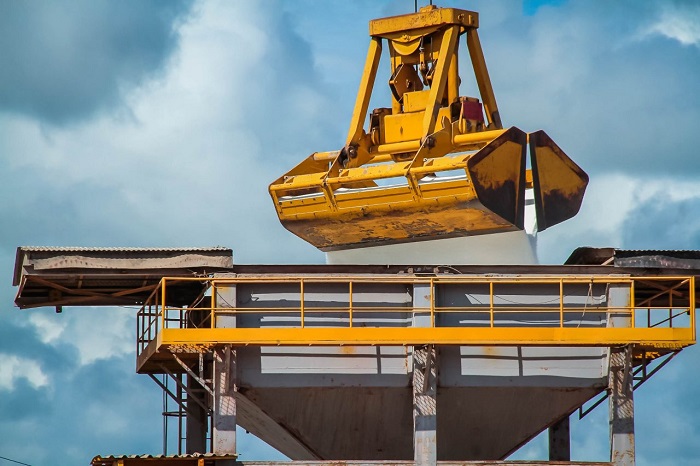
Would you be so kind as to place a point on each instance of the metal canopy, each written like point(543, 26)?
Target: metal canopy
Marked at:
point(74, 276)
point(197, 459)
point(79, 276)
point(637, 259)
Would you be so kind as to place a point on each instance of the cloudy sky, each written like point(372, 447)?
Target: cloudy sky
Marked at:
point(161, 123)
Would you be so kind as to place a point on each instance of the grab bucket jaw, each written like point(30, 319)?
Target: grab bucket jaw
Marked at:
point(558, 183)
point(497, 173)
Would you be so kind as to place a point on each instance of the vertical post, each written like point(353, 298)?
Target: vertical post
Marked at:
point(561, 302)
point(165, 418)
point(226, 304)
point(359, 113)
point(483, 80)
point(560, 441)
point(224, 412)
point(437, 87)
point(492, 317)
point(350, 303)
point(453, 76)
point(620, 380)
point(195, 419)
point(621, 407)
point(225, 377)
point(633, 309)
point(424, 383)
point(301, 302)
point(162, 303)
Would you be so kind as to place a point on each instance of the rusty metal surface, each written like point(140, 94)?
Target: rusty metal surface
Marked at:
point(342, 423)
point(352, 422)
point(687, 260)
point(213, 460)
point(98, 289)
point(411, 463)
point(114, 286)
point(59, 258)
point(585, 255)
point(559, 184)
point(196, 459)
point(633, 259)
point(77, 276)
point(431, 269)
point(498, 174)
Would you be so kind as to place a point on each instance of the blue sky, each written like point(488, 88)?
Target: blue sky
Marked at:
point(162, 123)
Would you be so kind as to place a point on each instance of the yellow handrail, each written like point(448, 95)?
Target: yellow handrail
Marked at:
point(665, 333)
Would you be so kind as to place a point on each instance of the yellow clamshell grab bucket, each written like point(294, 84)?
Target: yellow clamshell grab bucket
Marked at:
point(435, 164)
point(484, 194)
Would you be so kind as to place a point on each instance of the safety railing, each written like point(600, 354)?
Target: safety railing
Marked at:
point(403, 309)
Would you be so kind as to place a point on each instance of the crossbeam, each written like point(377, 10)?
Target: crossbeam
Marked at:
point(657, 338)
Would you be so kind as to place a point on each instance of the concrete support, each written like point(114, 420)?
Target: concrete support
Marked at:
point(196, 420)
point(560, 441)
point(424, 406)
point(621, 407)
point(224, 405)
point(424, 385)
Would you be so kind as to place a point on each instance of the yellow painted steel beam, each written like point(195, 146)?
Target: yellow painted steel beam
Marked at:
point(483, 80)
point(658, 338)
point(428, 17)
point(442, 278)
point(447, 49)
point(369, 73)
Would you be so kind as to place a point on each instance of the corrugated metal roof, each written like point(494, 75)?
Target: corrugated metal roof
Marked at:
point(685, 259)
point(184, 455)
point(678, 253)
point(119, 249)
point(663, 259)
point(88, 276)
point(210, 458)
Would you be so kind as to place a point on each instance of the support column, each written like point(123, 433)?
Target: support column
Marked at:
point(424, 384)
point(424, 406)
point(224, 377)
point(224, 406)
point(621, 407)
point(560, 441)
point(196, 419)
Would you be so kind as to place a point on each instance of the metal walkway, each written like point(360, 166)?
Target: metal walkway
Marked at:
point(656, 316)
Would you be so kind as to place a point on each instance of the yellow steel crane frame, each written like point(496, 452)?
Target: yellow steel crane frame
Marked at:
point(395, 182)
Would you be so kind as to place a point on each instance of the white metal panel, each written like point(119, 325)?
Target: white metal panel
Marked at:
point(509, 248)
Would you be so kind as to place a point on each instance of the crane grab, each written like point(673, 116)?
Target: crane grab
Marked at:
point(433, 165)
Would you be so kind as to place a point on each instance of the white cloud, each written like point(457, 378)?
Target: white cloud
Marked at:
point(96, 333)
point(13, 367)
point(679, 22)
point(194, 161)
point(48, 328)
point(604, 217)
